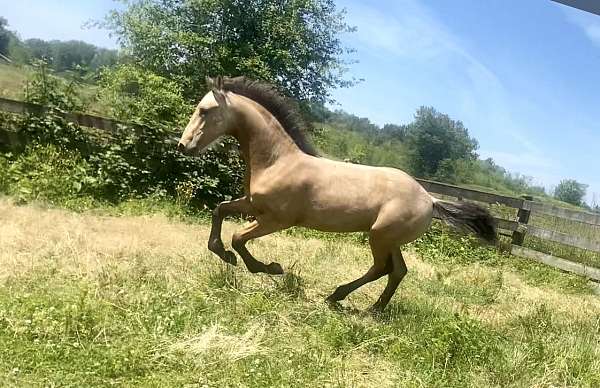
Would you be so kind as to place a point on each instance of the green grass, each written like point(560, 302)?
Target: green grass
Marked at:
point(12, 81)
point(94, 299)
point(13, 85)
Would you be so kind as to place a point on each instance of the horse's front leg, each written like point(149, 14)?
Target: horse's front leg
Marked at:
point(254, 230)
point(228, 208)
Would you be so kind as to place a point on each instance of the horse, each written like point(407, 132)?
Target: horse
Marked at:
point(287, 184)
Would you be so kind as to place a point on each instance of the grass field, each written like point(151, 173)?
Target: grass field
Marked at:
point(96, 299)
point(12, 81)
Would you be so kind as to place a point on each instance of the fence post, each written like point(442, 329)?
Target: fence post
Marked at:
point(523, 218)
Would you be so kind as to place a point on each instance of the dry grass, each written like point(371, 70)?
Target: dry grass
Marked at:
point(184, 318)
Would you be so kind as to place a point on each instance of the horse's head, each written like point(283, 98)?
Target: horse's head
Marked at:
point(208, 122)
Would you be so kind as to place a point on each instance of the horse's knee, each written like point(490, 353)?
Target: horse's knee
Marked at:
point(215, 245)
point(237, 241)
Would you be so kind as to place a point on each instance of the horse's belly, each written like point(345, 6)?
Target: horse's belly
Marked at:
point(338, 220)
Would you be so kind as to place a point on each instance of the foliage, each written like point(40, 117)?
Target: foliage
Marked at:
point(130, 161)
point(45, 173)
point(134, 94)
point(436, 142)
point(69, 55)
point(395, 131)
point(350, 122)
point(571, 191)
point(294, 44)
point(5, 36)
point(44, 88)
point(357, 147)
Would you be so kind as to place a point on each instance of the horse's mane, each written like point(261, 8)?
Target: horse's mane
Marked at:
point(285, 110)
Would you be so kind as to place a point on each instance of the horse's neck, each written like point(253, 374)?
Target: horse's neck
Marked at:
point(263, 142)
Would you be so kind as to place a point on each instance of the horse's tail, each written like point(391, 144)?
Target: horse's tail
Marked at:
point(466, 216)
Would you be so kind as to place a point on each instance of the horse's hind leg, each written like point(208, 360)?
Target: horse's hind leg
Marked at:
point(254, 230)
point(382, 265)
point(225, 209)
point(394, 278)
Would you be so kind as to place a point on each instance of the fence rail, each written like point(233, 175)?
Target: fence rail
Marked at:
point(518, 227)
point(83, 119)
point(567, 214)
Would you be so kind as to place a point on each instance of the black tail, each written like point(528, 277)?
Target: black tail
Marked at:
point(466, 216)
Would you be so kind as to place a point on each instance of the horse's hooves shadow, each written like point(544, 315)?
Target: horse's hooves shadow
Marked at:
point(341, 309)
point(389, 313)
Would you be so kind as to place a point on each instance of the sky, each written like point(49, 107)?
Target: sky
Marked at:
point(523, 76)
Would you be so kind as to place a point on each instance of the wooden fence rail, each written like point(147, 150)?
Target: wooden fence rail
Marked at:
point(518, 227)
point(83, 119)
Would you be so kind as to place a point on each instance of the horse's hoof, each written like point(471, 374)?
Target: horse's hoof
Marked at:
point(274, 269)
point(230, 258)
point(376, 310)
point(333, 304)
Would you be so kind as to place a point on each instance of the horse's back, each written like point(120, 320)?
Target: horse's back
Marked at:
point(349, 197)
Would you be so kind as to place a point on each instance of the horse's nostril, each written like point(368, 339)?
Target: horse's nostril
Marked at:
point(180, 147)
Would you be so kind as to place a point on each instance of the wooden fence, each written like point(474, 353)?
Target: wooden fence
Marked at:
point(515, 227)
point(518, 227)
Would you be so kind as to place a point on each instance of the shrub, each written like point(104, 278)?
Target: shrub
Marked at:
point(134, 94)
point(130, 162)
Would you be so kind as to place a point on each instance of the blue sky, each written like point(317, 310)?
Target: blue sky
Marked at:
point(523, 76)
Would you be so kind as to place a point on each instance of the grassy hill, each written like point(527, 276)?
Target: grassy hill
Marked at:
point(12, 80)
point(95, 299)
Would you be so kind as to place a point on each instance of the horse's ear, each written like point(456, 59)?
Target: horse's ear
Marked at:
point(219, 83)
point(219, 95)
point(210, 83)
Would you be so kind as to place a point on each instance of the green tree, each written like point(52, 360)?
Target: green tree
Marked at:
point(70, 55)
point(292, 43)
point(436, 143)
point(135, 94)
point(571, 191)
point(5, 36)
point(395, 131)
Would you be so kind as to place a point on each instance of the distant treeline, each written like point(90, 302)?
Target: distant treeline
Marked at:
point(61, 56)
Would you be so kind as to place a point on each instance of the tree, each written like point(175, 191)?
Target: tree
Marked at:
point(436, 143)
point(5, 36)
point(135, 94)
point(395, 131)
point(70, 55)
point(292, 43)
point(570, 191)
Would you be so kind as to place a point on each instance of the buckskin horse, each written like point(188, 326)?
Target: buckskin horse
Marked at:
point(286, 184)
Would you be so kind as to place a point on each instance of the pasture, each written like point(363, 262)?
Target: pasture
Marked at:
point(126, 296)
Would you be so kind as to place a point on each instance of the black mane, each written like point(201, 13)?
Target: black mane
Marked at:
point(284, 109)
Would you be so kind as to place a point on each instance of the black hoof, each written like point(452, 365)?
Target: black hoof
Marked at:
point(333, 304)
point(274, 269)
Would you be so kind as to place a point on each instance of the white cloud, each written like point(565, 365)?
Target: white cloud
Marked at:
point(411, 33)
point(415, 34)
point(511, 160)
point(587, 22)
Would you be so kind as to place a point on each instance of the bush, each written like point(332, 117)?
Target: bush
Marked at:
point(134, 94)
point(45, 172)
point(129, 162)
